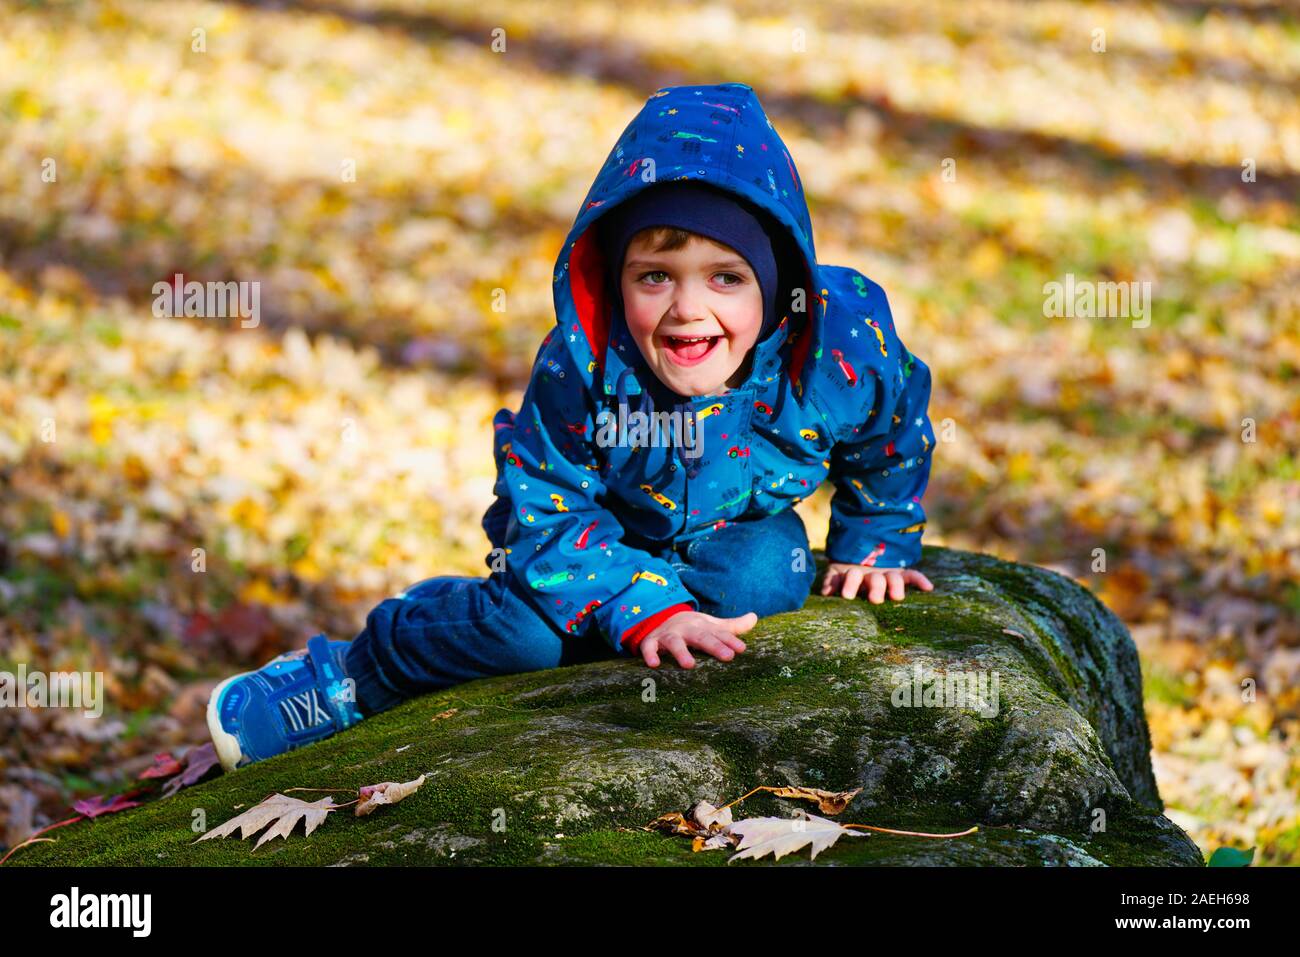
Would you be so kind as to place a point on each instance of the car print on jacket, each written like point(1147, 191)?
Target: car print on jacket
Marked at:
point(553, 579)
point(832, 394)
point(571, 626)
point(658, 497)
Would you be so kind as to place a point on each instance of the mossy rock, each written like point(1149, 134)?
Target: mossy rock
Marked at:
point(565, 766)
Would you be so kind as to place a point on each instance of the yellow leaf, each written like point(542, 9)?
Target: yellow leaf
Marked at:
point(27, 106)
point(258, 592)
point(306, 569)
point(101, 433)
point(986, 259)
point(102, 414)
point(1020, 467)
point(249, 513)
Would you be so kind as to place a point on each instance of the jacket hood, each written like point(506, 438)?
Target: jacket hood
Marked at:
point(718, 135)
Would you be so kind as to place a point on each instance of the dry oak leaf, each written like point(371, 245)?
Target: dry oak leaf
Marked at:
point(706, 824)
point(711, 825)
point(373, 795)
point(828, 802)
point(675, 823)
point(279, 810)
point(760, 836)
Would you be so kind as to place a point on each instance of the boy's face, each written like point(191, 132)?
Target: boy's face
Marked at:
point(703, 291)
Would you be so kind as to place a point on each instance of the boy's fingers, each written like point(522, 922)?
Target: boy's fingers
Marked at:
point(876, 589)
point(731, 641)
point(649, 649)
point(895, 585)
point(852, 579)
point(734, 643)
point(677, 647)
point(829, 582)
point(918, 579)
point(714, 645)
point(749, 619)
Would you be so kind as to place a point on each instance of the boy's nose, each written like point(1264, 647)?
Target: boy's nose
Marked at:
point(688, 305)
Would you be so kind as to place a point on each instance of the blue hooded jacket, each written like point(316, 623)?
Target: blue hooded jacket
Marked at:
point(832, 394)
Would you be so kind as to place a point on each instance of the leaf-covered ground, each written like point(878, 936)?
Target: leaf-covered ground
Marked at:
point(340, 450)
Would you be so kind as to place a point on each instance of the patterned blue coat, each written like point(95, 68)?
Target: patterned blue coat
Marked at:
point(833, 394)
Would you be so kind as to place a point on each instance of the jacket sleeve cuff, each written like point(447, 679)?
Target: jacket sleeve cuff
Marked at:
point(631, 638)
point(880, 550)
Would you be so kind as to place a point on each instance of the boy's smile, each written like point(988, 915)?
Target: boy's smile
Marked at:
point(694, 312)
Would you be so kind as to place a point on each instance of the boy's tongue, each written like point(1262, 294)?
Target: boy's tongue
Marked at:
point(689, 349)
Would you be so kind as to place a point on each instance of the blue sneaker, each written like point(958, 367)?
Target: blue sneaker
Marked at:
point(292, 700)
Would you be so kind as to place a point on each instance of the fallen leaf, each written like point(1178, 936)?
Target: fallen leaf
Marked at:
point(280, 811)
point(199, 762)
point(715, 843)
point(373, 795)
point(760, 836)
point(829, 802)
point(98, 805)
point(164, 766)
point(673, 823)
point(705, 814)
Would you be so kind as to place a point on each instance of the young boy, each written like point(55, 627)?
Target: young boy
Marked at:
point(689, 279)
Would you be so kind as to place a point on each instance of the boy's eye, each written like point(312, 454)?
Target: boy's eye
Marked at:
point(727, 279)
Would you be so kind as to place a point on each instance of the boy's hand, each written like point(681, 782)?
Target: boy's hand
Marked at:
point(694, 629)
point(848, 579)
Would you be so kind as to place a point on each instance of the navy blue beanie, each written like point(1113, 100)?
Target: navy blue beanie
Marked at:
point(700, 209)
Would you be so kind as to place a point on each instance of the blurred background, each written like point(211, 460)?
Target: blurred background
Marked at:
point(341, 449)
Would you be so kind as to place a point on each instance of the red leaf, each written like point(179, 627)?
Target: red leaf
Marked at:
point(198, 629)
point(164, 766)
point(243, 627)
point(95, 806)
point(198, 763)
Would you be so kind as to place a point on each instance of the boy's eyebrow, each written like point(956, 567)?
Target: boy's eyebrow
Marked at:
point(731, 263)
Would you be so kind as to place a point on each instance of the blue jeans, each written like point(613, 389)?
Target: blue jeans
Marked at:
point(451, 629)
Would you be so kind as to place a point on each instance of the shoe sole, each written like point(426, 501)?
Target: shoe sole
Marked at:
point(226, 744)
